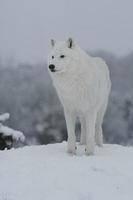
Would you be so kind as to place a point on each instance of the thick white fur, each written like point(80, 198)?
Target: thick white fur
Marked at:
point(83, 85)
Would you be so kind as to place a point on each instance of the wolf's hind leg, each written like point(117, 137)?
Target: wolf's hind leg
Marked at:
point(98, 127)
point(70, 122)
point(90, 132)
point(83, 132)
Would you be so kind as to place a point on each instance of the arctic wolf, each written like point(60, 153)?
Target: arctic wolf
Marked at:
point(83, 85)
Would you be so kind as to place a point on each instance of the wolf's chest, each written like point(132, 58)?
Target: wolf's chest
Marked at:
point(68, 92)
point(79, 92)
point(75, 95)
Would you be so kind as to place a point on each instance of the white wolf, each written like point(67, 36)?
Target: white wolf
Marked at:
point(83, 85)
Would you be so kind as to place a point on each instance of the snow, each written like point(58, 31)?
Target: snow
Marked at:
point(48, 173)
point(4, 117)
point(16, 135)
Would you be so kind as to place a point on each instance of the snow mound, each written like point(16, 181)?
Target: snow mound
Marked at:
point(48, 173)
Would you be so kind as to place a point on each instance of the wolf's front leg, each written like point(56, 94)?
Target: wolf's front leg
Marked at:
point(70, 122)
point(90, 132)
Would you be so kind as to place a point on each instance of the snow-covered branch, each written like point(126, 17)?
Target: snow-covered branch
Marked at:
point(4, 117)
point(16, 135)
point(9, 136)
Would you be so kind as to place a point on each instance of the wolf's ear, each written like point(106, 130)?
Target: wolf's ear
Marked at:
point(52, 42)
point(70, 43)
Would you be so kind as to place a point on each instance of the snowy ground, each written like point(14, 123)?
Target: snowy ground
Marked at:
point(48, 173)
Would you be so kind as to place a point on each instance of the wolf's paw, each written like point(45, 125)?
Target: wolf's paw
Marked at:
point(72, 151)
point(89, 152)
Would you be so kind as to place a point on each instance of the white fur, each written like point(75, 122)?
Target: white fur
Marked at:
point(83, 85)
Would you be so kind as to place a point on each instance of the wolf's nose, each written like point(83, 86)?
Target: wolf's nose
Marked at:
point(51, 67)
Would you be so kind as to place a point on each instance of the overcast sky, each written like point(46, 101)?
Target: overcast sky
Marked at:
point(26, 26)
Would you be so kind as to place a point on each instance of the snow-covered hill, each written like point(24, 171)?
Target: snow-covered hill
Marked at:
point(48, 173)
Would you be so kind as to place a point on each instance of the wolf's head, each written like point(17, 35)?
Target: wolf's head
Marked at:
point(62, 56)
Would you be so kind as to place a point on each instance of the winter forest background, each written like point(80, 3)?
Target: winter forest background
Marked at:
point(27, 93)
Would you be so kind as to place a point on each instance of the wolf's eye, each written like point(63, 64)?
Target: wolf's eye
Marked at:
point(52, 57)
point(62, 56)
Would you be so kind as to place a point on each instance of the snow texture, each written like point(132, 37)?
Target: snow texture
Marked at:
point(48, 172)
